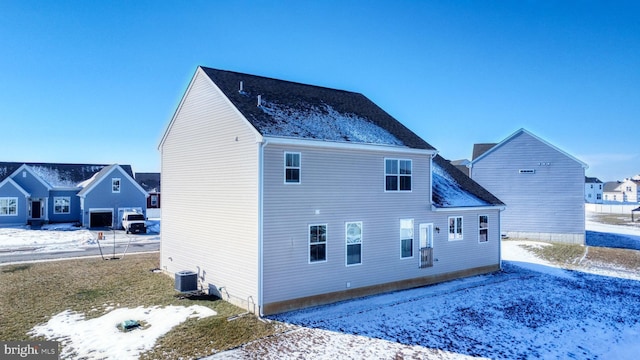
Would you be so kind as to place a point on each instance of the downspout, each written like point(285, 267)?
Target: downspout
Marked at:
point(261, 147)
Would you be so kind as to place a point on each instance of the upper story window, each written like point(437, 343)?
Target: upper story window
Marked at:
point(154, 200)
point(9, 206)
point(115, 185)
point(62, 205)
point(397, 175)
point(291, 168)
point(455, 228)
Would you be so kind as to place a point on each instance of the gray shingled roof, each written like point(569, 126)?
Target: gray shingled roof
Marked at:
point(58, 175)
point(149, 181)
point(454, 181)
point(479, 149)
point(289, 109)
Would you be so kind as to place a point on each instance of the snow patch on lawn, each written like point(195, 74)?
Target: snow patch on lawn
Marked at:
point(99, 338)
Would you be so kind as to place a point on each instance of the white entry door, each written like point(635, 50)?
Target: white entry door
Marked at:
point(426, 245)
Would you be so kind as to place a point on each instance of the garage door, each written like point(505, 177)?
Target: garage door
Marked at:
point(100, 219)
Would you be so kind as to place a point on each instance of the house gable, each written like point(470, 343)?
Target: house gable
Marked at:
point(106, 174)
point(485, 150)
point(30, 181)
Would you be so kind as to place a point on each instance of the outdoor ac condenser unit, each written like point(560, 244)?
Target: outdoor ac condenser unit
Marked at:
point(186, 281)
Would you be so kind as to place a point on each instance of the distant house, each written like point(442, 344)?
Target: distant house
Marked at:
point(542, 186)
point(281, 195)
point(593, 190)
point(150, 182)
point(627, 191)
point(35, 193)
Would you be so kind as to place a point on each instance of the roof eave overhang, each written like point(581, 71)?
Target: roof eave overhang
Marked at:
point(277, 140)
point(468, 208)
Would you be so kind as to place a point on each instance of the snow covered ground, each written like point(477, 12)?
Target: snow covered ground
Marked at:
point(530, 310)
point(67, 237)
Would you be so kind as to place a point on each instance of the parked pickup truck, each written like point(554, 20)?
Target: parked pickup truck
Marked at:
point(133, 222)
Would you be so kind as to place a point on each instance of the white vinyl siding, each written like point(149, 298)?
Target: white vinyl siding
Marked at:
point(210, 181)
point(8, 206)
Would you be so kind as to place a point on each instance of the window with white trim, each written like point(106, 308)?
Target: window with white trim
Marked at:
point(397, 174)
point(317, 243)
point(62, 205)
point(455, 228)
point(115, 185)
point(483, 228)
point(406, 238)
point(9, 206)
point(291, 168)
point(353, 236)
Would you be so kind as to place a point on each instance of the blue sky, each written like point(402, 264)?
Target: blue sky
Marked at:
point(98, 82)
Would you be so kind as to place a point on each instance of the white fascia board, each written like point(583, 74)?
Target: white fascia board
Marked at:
point(30, 171)
point(9, 180)
point(468, 208)
point(344, 145)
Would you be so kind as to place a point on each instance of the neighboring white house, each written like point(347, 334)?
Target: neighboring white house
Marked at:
point(593, 190)
point(281, 195)
point(542, 186)
point(627, 191)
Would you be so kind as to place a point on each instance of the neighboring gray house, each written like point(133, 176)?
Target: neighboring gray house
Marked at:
point(36, 193)
point(542, 186)
point(282, 195)
point(593, 190)
point(110, 192)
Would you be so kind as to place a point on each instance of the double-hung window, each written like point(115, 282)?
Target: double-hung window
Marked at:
point(353, 237)
point(115, 185)
point(455, 228)
point(291, 168)
point(397, 174)
point(9, 206)
point(62, 205)
point(406, 238)
point(483, 228)
point(317, 243)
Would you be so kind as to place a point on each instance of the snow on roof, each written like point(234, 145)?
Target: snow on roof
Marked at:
point(449, 192)
point(314, 122)
point(52, 177)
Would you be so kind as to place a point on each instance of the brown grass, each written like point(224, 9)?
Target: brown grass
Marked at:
point(32, 293)
point(571, 255)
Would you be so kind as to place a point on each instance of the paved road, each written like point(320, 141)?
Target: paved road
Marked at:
point(124, 244)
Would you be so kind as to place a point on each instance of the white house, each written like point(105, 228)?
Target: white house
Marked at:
point(593, 190)
point(542, 186)
point(281, 195)
point(627, 191)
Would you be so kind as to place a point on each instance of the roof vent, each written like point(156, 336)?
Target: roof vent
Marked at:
point(259, 100)
point(241, 87)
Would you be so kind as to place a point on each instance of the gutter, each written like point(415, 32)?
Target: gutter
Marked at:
point(262, 143)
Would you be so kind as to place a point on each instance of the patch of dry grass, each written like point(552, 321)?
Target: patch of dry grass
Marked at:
point(574, 255)
point(32, 293)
